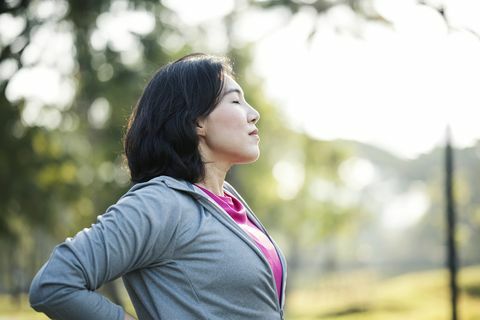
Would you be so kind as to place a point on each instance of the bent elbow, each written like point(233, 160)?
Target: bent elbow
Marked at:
point(36, 294)
point(43, 292)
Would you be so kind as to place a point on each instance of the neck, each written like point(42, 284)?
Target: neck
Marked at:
point(214, 178)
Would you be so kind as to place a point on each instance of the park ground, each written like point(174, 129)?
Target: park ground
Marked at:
point(355, 295)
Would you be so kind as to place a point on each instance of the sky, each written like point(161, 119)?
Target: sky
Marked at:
point(396, 86)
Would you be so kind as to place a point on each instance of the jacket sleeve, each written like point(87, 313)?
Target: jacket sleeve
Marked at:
point(135, 232)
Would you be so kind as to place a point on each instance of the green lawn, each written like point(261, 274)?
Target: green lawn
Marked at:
point(17, 310)
point(362, 296)
point(359, 295)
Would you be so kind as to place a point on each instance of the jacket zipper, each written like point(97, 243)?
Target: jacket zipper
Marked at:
point(245, 235)
point(261, 227)
point(202, 197)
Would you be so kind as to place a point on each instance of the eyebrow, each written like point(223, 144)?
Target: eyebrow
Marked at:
point(232, 90)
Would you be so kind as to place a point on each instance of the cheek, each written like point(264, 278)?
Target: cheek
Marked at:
point(228, 120)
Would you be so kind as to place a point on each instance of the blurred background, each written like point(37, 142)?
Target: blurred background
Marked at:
point(355, 98)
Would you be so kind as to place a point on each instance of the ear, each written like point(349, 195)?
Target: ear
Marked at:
point(201, 129)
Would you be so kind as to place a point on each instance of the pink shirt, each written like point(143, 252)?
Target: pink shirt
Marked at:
point(237, 211)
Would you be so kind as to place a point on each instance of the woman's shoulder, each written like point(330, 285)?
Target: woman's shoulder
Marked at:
point(159, 191)
point(154, 185)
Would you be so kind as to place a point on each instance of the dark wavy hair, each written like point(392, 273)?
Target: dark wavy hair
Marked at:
point(161, 136)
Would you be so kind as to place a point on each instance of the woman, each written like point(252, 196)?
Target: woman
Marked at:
point(185, 243)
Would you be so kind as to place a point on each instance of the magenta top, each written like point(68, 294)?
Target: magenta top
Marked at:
point(237, 211)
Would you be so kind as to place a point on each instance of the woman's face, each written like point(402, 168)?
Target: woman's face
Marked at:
point(228, 134)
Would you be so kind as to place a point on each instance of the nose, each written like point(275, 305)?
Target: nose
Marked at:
point(253, 115)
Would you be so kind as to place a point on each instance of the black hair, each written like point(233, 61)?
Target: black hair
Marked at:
point(161, 136)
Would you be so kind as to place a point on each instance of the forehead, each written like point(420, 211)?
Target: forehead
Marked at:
point(230, 85)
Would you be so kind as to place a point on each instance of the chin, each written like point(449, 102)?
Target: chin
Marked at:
point(250, 158)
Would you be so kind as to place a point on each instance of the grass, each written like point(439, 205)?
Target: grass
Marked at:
point(13, 309)
point(354, 295)
point(422, 295)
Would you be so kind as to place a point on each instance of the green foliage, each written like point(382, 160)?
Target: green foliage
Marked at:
point(59, 179)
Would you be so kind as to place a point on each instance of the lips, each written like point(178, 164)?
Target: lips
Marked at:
point(254, 132)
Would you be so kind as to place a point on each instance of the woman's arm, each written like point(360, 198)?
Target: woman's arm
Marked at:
point(130, 235)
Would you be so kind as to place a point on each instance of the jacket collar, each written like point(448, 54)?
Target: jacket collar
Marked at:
point(183, 185)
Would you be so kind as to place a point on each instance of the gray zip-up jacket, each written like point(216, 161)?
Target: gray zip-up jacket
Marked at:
point(181, 256)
